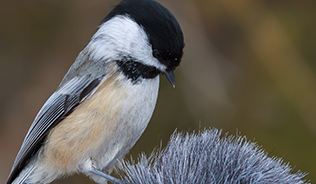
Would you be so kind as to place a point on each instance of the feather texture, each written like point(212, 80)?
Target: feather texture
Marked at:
point(60, 104)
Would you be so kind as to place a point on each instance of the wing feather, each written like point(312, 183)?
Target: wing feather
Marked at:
point(60, 104)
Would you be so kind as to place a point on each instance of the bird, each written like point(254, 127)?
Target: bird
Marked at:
point(106, 99)
point(209, 156)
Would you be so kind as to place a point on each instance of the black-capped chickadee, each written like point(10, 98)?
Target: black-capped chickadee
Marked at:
point(106, 99)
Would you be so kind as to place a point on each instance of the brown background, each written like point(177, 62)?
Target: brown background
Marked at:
point(249, 67)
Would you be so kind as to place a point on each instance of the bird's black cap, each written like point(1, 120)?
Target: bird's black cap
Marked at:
point(163, 30)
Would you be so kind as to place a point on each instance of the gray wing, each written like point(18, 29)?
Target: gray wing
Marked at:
point(60, 104)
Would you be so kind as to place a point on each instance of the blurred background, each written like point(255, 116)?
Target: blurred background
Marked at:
point(249, 67)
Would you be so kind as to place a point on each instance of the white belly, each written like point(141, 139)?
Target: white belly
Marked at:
point(132, 119)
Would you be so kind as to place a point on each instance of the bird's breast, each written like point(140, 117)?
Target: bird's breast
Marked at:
point(104, 126)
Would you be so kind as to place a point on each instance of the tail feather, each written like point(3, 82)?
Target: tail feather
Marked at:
point(23, 176)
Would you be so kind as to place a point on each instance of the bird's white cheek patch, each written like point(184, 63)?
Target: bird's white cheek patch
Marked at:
point(121, 36)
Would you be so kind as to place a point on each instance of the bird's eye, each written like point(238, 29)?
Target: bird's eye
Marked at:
point(157, 54)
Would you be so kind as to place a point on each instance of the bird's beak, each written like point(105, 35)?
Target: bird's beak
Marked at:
point(170, 77)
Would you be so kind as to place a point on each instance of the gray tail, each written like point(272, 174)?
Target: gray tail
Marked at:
point(25, 173)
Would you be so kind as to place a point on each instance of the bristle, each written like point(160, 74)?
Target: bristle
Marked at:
point(207, 157)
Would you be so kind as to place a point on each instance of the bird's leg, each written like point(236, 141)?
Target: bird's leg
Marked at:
point(106, 176)
point(89, 167)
